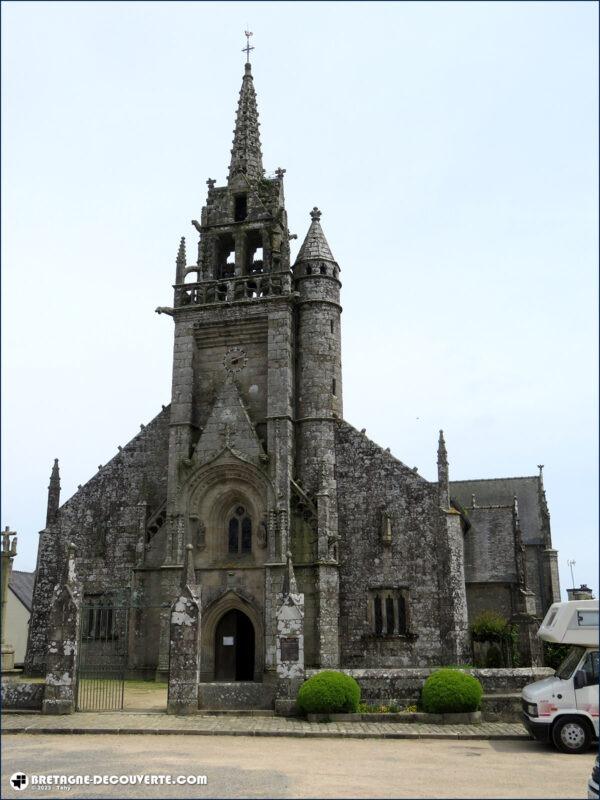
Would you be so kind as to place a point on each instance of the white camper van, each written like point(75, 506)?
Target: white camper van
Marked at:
point(564, 709)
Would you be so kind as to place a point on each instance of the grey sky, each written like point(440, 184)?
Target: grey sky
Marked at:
point(453, 151)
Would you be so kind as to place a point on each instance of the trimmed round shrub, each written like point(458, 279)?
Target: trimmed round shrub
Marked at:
point(449, 691)
point(329, 693)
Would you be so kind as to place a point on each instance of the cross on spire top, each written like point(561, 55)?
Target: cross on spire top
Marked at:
point(247, 49)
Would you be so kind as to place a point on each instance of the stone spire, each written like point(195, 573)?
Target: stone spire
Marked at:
point(443, 476)
point(246, 155)
point(180, 262)
point(53, 494)
point(315, 245)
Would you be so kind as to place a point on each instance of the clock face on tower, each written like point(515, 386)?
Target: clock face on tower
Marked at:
point(235, 359)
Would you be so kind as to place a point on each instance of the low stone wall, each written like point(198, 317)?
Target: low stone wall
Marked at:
point(403, 686)
point(22, 695)
point(234, 696)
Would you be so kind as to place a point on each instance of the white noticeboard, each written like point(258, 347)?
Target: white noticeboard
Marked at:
point(228, 641)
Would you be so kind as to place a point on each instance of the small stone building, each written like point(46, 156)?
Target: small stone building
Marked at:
point(312, 546)
point(19, 599)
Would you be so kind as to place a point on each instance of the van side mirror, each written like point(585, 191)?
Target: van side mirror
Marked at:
point(579, 679)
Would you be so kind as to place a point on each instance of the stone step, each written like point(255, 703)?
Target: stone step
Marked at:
point(235, 696)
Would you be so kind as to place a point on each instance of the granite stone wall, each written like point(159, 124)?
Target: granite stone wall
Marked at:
point(374, 487)
point(21, 694)
point(106, 520)
point(404, 685)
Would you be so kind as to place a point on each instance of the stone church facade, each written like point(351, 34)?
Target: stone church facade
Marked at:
point(253, 466)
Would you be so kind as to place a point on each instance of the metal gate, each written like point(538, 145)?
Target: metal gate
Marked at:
point(103, 650)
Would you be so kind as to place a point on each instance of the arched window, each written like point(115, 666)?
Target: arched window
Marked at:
point(389, 615)
point(378, 616)
point(240, 531)
point(401, 614)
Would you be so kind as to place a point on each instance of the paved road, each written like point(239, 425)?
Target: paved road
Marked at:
point(245, 766)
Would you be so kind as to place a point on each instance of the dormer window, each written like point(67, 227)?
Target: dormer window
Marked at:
point(240, 211)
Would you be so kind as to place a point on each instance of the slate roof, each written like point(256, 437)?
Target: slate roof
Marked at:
point(489, 546)
point(500, 492)
point(21, 584)
point(315, 246)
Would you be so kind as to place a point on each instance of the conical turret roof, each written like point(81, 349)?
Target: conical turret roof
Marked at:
point(315, 246)
point(246, 155)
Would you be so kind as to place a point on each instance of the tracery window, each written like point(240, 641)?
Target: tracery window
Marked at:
point(240, 531)
point(388, 611)
point(98, 618)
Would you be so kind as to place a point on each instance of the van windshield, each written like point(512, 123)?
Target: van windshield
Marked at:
point(567, 667)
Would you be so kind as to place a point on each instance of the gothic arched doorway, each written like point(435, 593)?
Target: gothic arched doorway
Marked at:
point(234, 647)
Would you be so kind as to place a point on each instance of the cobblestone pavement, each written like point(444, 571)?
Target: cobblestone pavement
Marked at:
point(125, 722)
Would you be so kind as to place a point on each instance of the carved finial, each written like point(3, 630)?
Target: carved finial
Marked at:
point(53, 494)
point(442, 453)
point(541, 469)
point(119, 448)
point(363, 430)
point(315, 214)
point(99, 467)
point(280, 172)
point(181, 257)
point(443, 474)
point(211, 185)
point(188, 574)
point(142, 426)
point(289, 579)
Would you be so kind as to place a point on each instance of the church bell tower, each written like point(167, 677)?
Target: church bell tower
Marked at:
point(231, 429)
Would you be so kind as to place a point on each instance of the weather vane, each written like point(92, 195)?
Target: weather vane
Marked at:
point(247, 49)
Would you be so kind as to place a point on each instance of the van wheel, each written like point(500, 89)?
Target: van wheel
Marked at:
point(571, 735)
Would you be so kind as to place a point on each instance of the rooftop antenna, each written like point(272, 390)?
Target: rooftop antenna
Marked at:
point(247, 49)
point(571, 564)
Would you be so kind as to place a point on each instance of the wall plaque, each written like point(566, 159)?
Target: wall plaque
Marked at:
point(289, 649)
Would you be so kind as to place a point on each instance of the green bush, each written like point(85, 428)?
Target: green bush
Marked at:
point(448, 691)
point(329, 693)
point(491, 627)
point(555, 654)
